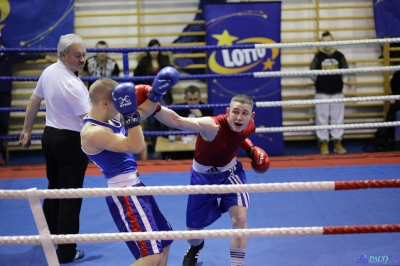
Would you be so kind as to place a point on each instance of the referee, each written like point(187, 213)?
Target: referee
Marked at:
point(67, 102)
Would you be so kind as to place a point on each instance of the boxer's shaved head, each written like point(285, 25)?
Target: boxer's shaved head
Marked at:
point(101, 89)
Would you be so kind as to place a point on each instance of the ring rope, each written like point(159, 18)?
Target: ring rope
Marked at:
point(259, 104)
point(320, 101)
point(220, 233)
point(212, 47)
point(342, 71)
point(262, 104)
point(312, 128)
point(259, 130)
point(206, 189)
point(263, 74)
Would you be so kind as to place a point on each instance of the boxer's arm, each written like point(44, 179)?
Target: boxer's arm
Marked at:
point(206, 126)
point(97, 138)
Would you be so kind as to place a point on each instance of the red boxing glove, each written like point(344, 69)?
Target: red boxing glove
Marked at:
point(259, 158)
point(260, 161)
point(141, 95)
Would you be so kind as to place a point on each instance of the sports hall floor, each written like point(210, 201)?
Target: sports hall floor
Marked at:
point(267, 210)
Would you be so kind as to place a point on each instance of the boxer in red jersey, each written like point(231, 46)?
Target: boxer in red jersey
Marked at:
point(215, 163)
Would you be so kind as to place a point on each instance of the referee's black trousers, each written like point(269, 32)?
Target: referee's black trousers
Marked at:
point(66, 165)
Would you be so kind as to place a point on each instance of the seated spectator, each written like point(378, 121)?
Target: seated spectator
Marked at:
point(388, 138)
point(100, 65)
point(149, 64)
point(192, 97)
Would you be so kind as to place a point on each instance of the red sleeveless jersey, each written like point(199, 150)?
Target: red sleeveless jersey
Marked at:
point(224, 146)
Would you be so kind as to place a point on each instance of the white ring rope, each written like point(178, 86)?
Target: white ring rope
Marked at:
point(343, 126)
point(166, 235)
point(342, 71)
point(332, 43)
point(168, 190)
point(336, 100)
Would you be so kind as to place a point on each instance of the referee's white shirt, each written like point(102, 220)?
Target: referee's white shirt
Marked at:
point(65, 95)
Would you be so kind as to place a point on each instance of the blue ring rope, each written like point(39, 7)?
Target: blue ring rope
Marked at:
point(136, 49)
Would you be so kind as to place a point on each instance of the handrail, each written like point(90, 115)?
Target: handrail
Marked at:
point(119, 14)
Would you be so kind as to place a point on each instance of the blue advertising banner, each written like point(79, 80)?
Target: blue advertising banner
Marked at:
point(35, 23)
point(247, 23)
point(387, 18)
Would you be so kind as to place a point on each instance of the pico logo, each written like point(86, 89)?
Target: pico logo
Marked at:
point(375, 259)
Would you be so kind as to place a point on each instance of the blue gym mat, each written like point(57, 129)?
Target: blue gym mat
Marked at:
point(267, 210)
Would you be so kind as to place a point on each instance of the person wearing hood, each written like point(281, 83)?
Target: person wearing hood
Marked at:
point(329, 87)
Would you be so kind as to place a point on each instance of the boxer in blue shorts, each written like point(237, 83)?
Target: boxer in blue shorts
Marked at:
point(214, 163)
point(111, 147)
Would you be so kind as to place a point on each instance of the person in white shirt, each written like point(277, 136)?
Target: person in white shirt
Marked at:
point(67, 102)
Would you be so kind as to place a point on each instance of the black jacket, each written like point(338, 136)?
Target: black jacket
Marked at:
point(144, 68)
point(7, 62)
point(329, 84)
point(186, 112)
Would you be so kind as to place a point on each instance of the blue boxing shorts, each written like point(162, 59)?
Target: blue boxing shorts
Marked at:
point(139, 214)
point(204, 209)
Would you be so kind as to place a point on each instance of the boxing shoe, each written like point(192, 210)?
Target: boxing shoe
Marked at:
point(192, 254)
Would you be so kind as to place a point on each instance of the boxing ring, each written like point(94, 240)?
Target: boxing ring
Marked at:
point(347, 215)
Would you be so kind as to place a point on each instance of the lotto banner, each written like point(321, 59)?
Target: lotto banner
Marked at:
point(35, 23)
point(238, 24)
point(387, 18)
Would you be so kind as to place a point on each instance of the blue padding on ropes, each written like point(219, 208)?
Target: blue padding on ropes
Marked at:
point(172, 107)
point(132, 50)
point(133, 79)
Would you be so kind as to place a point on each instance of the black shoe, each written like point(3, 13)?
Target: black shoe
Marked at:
point(79, 255)
point(192, 254)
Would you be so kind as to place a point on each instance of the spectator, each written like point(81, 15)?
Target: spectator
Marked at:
point(192, 97)
point(67, 103)
point(7, 62)
point(149, 64)
point(329, 87)
point(100, 65)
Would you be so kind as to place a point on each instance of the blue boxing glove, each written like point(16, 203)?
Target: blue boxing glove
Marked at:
point(124, 99)
point(165, 80)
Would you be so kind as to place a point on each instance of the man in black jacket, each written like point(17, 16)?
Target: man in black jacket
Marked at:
point(329, 87)
point(193, 97)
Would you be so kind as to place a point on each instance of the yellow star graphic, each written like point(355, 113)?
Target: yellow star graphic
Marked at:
point(225, 38)
point(268, 64)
